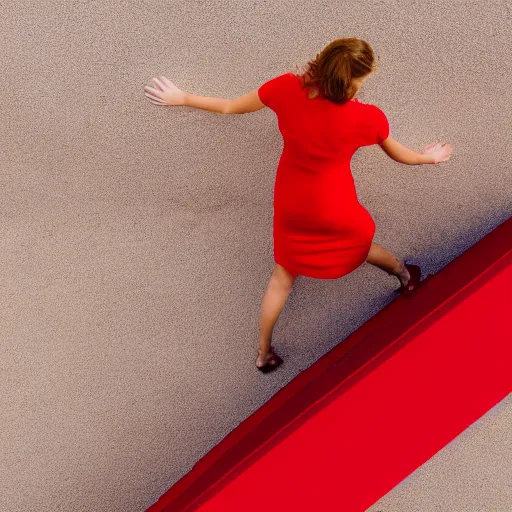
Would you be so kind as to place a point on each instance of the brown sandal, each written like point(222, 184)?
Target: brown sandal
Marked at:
point(272, 364)
point(414, 281)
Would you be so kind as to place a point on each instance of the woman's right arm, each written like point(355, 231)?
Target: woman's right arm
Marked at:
point(432, 154)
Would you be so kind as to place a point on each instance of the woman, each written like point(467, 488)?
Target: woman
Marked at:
point(320, 228)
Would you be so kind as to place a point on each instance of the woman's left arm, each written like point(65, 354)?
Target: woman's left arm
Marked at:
point(166, 93)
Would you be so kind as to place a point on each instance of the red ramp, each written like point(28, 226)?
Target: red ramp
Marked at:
point(352, 426)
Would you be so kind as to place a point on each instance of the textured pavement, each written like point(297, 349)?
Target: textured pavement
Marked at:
point(136, 240)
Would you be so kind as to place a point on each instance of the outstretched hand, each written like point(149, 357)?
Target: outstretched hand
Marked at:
point(164, 93)
point(440, 151)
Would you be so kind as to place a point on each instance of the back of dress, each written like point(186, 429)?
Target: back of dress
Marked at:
point(318, 132)
point(320, 228)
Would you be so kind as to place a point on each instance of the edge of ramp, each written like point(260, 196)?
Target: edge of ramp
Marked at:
point(349, 361)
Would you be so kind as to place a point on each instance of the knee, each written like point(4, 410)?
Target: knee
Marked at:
point(282, 278)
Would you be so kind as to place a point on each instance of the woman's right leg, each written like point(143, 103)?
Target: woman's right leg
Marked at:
point(279, 287)
point(383, 259)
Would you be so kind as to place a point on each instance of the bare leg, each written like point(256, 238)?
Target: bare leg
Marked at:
point(279, 287)
point(383, 259)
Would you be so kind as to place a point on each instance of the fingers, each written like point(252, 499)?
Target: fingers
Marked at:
point(157, 102)
point(167, 82)
point(153, 92)
point(441, 150)
point(447, 151)
point(429, 147)
point(158, 84)
point(153, 96)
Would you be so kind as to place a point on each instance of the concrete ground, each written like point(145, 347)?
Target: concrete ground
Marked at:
point(472, 474)
point(136, 239)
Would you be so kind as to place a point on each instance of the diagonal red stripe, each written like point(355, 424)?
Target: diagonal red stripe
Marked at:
point(377, 341)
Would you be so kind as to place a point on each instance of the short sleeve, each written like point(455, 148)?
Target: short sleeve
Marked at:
point(274, 92)
point(380, 125)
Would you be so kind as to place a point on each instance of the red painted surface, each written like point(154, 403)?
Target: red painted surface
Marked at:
point(351, 427)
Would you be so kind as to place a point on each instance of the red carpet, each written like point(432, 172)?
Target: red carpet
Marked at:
point(385, 400)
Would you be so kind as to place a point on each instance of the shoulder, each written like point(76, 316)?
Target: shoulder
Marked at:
point(371, 109)
point(274, 88)
point(281, 80)
point(373, 113)
point(376, 122)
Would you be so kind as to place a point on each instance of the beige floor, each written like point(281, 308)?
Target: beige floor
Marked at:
point(472, 474)
point(136, 239)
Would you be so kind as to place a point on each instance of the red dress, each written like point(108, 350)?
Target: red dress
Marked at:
point(320, 228)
